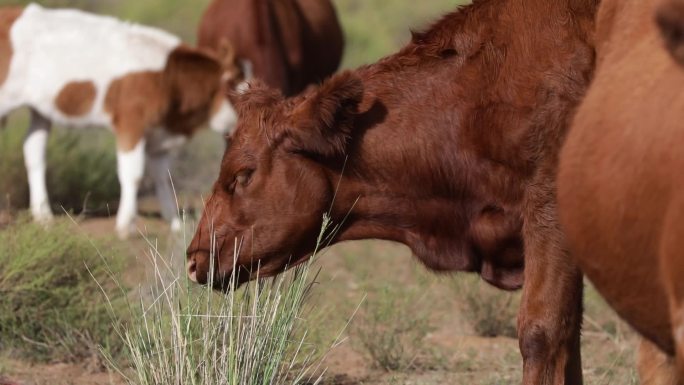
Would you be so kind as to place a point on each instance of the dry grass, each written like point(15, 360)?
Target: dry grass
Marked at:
point(491, 312)
point(186, 334)
point(391, 329)
point(51, 309)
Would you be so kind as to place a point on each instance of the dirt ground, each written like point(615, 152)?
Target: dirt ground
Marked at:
point(362, 275)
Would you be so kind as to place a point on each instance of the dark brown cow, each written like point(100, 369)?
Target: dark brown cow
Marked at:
point(621, 181)
point(448, 146)
point(290, 43)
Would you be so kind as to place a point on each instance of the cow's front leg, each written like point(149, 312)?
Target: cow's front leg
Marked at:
point(551, 309)
point(130, 167)
point(159, 166)
point(35, 146)
point(655, 367)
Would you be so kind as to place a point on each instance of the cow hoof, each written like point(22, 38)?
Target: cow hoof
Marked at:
point(124, 232)
point(42, 216)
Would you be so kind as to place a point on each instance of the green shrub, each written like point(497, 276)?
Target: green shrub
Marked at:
point(51, 308)
point(491, 311)
point(81, 169)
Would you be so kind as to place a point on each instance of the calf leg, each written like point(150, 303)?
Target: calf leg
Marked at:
point(159, 165)
point(34, 158)
point(551, 309)
point(130, 167)
point(655, 367)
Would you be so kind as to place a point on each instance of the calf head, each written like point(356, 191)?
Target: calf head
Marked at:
point(196, 83)
point(266, 208)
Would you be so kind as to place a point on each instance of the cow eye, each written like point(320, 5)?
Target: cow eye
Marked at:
point(243, 177)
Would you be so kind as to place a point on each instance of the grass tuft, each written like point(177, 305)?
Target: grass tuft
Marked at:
point(491, 311)
point(391, 328)
point(188, 334)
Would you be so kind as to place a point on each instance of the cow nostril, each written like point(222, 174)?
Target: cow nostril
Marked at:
point(192, 270)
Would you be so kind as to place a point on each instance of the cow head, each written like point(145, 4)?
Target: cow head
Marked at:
point(267, 205)
point(197, 83)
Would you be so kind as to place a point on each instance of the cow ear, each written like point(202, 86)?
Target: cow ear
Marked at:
point(192, 77)
point(322, 122)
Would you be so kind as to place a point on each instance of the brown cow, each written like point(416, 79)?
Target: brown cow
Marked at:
point(448, 146)
point(289, 43)
point(620, 189)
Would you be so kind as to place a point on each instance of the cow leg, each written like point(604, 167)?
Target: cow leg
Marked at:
point(35, 146)
point(159, 166)
point(551, 308)
point(655, 367)
point(130, 168)
point(672, 273)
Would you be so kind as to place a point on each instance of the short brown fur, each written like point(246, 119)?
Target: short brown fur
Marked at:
point(655, 367)
point(449, 146)
point(621, 176)
point(8, 15)
point(76, 98)
point(290, 43)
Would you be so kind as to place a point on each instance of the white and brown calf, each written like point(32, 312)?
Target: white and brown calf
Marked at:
point(79, 69)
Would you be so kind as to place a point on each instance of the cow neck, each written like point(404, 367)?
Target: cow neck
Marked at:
point(427, 165)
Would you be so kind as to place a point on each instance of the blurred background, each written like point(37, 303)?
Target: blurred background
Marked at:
point(373, 29)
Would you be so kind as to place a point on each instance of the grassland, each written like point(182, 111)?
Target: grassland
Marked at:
point(51, 308)
point(408, 326)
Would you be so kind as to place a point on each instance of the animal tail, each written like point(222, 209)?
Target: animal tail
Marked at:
point(670, 20)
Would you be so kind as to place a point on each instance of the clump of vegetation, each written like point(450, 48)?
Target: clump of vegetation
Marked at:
point(51, 308)
point(491, 311)
point(191, 335)
point(391, 328)
point(81, 169)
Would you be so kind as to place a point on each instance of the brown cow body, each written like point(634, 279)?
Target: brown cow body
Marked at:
point(290, 43)
point(621, 175)
point(448, 146)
